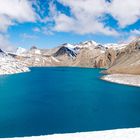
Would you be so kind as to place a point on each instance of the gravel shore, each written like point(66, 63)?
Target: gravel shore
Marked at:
point(127, 79)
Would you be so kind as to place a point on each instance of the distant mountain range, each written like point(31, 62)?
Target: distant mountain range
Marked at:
point(117, 58)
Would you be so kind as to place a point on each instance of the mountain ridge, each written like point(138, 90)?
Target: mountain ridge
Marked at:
point(115, 58)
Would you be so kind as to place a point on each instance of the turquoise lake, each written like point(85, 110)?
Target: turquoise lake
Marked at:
point(63, 100)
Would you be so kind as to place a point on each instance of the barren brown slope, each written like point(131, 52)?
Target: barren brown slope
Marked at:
point(128, 60)
point(106, 59)
point(86, 57)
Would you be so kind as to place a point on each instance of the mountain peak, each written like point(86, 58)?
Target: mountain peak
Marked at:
point(90, 42)
point(1, 51)
point(20, 50)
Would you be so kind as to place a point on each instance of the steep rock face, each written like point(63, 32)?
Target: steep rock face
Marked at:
point(87, 56)
point(65, 51)
point(106, 59)
point(1, 51)
point(3, 54)
point(128, 60)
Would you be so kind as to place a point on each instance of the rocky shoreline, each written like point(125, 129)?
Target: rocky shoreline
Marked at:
point(12, 67)
point(126, 79)
point(118, 134)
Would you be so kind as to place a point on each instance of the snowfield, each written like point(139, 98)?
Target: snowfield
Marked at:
point(11, 66)
point(118, 134)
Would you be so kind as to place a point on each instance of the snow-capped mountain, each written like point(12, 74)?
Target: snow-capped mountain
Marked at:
point(4, 56)
point(70, 46)
point(66, 49)
point(87, 44)
point(2, 53)
point(20, 51)
point(35, 51)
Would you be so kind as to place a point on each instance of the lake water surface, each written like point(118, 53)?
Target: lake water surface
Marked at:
point(63, 100)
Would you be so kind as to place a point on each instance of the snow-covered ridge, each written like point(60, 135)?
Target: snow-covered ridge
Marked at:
point(86, 44)
point(70, 46)
point(115, 46)
point(92, 45)
point(73, 47)
point(8, 65)
point(12, 67)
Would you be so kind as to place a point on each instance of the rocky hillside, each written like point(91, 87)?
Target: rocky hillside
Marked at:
point(127, 60)
point(9, 65)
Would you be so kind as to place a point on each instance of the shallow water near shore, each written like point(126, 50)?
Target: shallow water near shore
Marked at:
point(64, 100)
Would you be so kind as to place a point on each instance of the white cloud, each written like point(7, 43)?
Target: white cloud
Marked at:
point(28, 36)
point(47, 30)
point(5, 22)
point(131, 35)
point(130, 38)
point(12, 11)
point(4, 43)
point(90, 26)
point(126, 12)
point(36, 29)
point(92, 7)
point(135, 32)
point(20, 10)
point(86, 17)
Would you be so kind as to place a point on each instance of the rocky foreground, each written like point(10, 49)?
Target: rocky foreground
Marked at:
point(120, 134)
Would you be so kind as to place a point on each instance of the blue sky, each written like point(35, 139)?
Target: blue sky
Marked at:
point(49, 23)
